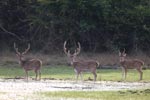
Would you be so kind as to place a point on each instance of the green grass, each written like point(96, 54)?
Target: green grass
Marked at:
point(99, 95)
point(67, 73)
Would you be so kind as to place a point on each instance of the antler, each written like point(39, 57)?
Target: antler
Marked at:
point(119, 53)
point(65, 49)
point(78, 49)
point(16, 49)
point(124, 51)
point(27, 49)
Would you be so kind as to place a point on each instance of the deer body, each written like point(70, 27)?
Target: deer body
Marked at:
point(130, 64)
point(33, 64)
point(89, 66)
point(81, 65)
point(29, 64)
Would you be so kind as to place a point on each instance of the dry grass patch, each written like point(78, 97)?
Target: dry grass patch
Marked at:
point(109, 59)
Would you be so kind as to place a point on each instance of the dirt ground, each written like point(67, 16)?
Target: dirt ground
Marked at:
point(19, 89)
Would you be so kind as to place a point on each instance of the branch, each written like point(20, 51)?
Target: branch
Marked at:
point(10, 32)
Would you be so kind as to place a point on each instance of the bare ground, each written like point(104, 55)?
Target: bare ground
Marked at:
point(19, 89)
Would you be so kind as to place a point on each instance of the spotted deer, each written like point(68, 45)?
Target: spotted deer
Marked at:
point(130, 64)
point(29, 64)
point(81, 65)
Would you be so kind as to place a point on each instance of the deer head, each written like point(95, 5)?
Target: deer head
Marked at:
point(19, 54)
point(122, 55)
point(72, 57)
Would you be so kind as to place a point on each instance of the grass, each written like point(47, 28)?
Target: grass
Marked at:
point(54, 67)
point(100, 95)
point(67, 73)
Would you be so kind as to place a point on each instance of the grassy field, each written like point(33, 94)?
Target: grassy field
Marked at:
point(67, 73)
point(55, 69)
point(97, 95)
point(62, 72)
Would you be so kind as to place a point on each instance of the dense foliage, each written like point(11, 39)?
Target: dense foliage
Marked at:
point(99, 25)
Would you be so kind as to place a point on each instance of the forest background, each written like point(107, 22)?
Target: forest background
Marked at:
point(99, 25)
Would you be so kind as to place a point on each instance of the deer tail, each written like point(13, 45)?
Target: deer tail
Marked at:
point(40, 63)
point(142, 63)
point(97, 64)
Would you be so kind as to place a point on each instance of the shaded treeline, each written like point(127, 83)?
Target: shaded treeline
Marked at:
point(99, 25)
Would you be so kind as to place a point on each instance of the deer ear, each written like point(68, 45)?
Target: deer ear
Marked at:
point(119, 53)
point(17, 55)
point(124, 54)
point(68, 53)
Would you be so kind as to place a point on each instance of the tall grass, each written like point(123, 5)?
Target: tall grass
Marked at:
point(61, 59)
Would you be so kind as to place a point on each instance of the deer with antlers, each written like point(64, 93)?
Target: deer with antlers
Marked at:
point(81, 65)
point(130, 64)
point(29, 64)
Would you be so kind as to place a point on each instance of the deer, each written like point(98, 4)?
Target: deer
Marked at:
point(130, 64)
point(81, 65)
point(29, 64)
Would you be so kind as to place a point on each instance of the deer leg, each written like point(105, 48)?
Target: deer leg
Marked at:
point(26, 75)
point(39, 75)
point(81, 76)
point(77, 76)
point(124, 73)
point(95, 76)
point(36, 72)
point(141, 73)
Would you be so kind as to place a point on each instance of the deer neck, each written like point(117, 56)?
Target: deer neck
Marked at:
point(72, 59)
point(122, 59)
point(123, 62)
point(23, 61)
